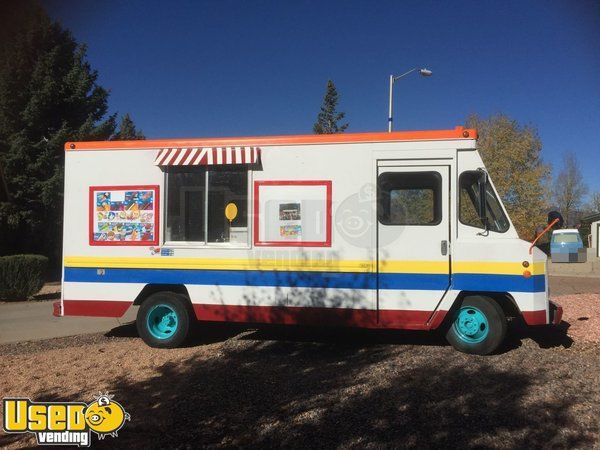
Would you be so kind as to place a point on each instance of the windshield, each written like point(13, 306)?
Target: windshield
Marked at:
point(469, 204)
point(565, 238)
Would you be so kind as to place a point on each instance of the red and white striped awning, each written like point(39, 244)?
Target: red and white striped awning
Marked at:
point(207, 156)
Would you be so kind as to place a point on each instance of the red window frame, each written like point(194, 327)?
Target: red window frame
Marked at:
point(328, 188)
point(92, 210)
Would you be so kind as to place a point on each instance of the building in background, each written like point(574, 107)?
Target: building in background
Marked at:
point(590, 225)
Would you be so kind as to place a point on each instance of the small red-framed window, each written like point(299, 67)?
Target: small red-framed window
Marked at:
point(124, 215)
point(292, 213)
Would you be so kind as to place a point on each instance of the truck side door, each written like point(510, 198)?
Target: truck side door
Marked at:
point(413, 242)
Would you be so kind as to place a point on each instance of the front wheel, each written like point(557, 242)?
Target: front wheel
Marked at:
point(163, 320)
point(478, 326)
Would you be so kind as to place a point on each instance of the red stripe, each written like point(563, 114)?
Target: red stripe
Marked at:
point(535, 317)
point(173, 154)
point(158, 158)
point(165, 156)
point(364, 318)
point(95, 308)
point(202, 160)
point(187, 152)
point(437, 319)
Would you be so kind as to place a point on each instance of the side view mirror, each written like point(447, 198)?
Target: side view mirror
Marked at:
point(555, 220)
point(481, 184)
point(552, 215)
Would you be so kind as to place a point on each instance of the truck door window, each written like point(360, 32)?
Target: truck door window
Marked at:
point(469, 201)
point(409, 198)
point(196, 202)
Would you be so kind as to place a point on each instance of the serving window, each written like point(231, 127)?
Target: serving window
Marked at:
point(207, 205)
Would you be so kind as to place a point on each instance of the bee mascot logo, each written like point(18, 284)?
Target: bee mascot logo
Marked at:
point(65, 423)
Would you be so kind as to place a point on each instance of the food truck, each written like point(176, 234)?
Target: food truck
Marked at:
point(400, 230)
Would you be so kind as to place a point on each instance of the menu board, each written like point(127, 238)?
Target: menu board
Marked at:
point(292, 213)
point(124, 215)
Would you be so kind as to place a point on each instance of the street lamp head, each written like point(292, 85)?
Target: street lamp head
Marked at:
point(425, 72)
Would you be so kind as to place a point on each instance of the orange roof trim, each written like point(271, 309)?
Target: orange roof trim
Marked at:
point(305, 139)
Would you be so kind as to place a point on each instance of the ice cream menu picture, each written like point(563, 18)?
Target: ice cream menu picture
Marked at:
point(290, 224)
point(124, 215)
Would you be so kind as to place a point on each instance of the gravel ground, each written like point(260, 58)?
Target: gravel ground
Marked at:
point(302, 387)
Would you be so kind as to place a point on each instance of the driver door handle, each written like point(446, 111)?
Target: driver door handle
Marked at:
point(444, 248)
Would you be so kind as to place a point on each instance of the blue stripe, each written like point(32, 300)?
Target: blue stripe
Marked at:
point(498, 283)
point(423, 281)
point(226, 277)
point(341, 280)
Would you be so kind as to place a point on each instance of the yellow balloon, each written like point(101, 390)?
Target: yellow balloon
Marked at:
point(231, 211)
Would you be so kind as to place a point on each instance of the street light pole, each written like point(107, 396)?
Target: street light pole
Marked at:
point(424, 72)
point(391, 109)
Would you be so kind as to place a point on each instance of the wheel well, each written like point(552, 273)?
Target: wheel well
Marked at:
point(504, 299)
point(150, 289)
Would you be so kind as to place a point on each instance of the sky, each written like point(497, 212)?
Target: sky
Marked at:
point(240, 68)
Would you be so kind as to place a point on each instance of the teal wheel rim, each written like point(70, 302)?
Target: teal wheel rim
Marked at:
point(162, 321)
point(471, 325)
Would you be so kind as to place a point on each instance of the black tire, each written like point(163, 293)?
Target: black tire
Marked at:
point(175, 333)
point(487, 336)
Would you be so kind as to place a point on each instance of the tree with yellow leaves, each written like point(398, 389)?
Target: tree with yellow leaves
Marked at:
point(512, 155)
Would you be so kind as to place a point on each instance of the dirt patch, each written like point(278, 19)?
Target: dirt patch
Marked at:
point(303, 387)
point(573, 285)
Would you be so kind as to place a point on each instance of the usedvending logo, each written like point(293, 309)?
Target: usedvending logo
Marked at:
point(65, 423)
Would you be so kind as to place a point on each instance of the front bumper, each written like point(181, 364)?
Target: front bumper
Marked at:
point(556, 312)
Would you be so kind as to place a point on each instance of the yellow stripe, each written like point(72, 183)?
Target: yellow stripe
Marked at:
point(312, 265)
point(497, 268)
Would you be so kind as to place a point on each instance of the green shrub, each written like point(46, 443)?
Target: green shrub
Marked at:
point(21, 276)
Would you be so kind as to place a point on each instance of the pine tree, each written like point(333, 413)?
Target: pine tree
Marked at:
point(48, 95)
point(127, 131)
point(329, 118)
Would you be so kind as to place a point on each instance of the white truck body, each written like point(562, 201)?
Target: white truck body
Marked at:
point(327, 234)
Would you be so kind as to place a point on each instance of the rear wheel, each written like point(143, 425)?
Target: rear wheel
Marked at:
point(478, 326)
point(163, 320)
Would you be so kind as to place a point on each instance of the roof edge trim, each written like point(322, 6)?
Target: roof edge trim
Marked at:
point(306, 139)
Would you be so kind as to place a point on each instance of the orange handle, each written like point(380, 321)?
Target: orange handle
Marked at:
point(541, 234)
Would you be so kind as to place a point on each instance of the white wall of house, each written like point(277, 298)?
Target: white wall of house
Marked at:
point(595, 231)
